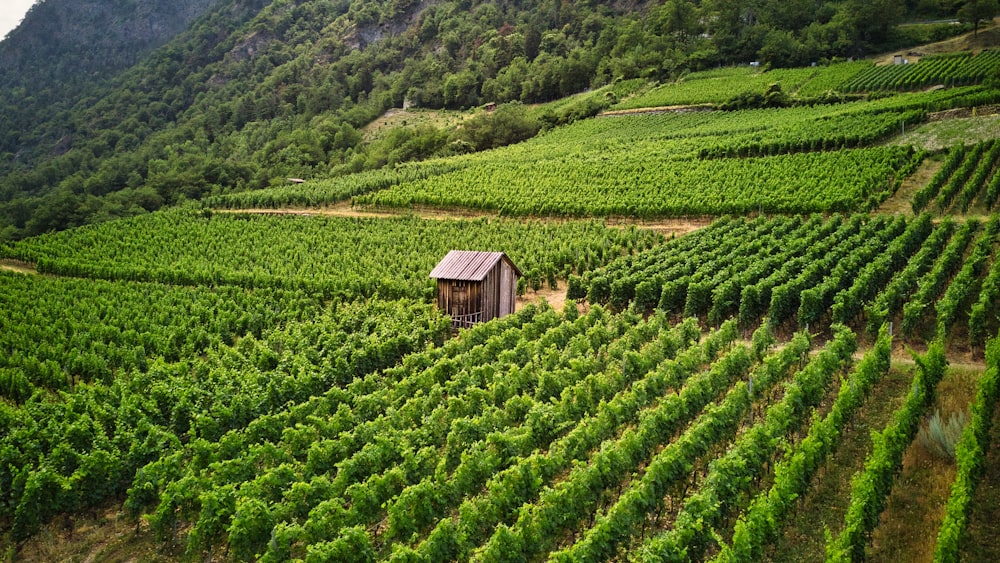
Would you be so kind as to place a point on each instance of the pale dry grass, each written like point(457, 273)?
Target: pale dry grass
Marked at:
point(101, 536)
point(908, 526)
point(988, 37)
point(901, 202)
point(17, 266)
point(668, 227)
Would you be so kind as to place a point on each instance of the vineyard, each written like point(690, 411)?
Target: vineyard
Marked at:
point(773, 385)
point(857, 270)
point(954, 69)
point(330, 256)
point(323, 431)
point(650, 165)
point(718, 86)
point(723, 85)
point(967, 178)
point(644, 183)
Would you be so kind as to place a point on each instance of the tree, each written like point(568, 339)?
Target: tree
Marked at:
point(507, 125)
point(975, 11)
point(868, 22)
point(780, 49)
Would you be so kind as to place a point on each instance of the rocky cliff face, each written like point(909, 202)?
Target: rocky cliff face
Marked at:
point(62, 39)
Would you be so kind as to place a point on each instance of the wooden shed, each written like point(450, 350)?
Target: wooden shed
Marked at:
point(475, 287)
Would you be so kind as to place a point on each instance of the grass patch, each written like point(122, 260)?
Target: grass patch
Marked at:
point(826, 502)
point(939, 135)
point(980, 541)
point(413, 118)
point(912, 518)
point(902, 200)
point(98, 535)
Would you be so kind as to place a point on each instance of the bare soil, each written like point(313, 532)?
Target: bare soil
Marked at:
point(901, 201)
point(101, 536)
point(668, 227)
point(17, 266)
point(907, 529)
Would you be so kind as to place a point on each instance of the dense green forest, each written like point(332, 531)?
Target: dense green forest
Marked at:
point(255, 91)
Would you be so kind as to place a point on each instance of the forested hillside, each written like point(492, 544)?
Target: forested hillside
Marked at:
point(254, 91)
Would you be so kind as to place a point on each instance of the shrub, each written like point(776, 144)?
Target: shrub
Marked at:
point(939, 437)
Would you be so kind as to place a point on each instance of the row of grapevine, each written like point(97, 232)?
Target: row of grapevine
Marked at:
point(867, 285)
point(659, 276)
point(984, 315)
point(854, 131)
point(432, 498)
point(719, 85)
point(970, 453)
point(969, 174)
point(78, 451)
point(810, 292)
point(761, 522)
point(870, 488)
point(567, 505)
point(308, 427)
point(510, 495)
point(985, 172)
point(954, 69)
point(337, 257)
point(730, 476)
point(643, 182)
point(61, 332)
point(861, 270)
point(641, 277)
point(667, 472)
point(933, 283)
point(965, 283)
point(485, 410)
point(522, 482)
point(890, 300)
point(321, 192)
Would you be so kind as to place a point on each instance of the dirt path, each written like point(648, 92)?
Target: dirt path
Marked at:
point(667, 227)
point(17, 266)
point(901, 201)
point(556, 298)
point(658, 109)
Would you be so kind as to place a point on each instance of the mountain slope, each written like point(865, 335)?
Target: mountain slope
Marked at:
point(258, 90)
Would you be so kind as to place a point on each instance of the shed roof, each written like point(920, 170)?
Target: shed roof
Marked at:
point(469, 265)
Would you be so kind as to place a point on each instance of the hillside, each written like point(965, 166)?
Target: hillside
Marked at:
point(254, 92)
point(61, 41)
point(66, 54)
point(777, 338)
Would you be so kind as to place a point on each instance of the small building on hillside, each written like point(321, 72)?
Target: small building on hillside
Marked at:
point(475, 287)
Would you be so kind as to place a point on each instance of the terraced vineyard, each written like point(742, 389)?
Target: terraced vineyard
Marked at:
point(953, 69)
point(572, 435)
point(245, 386)
point(858, 270)
point(967, 178)
point(340, 257)
point(656, 165)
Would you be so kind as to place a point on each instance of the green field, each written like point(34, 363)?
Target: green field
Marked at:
point(237, 385)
